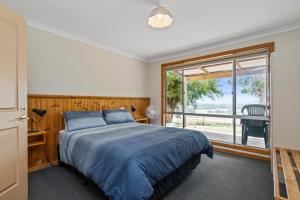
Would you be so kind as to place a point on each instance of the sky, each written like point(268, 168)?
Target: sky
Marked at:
point(223, 84)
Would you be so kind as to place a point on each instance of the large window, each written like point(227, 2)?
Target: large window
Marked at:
point(225, 98)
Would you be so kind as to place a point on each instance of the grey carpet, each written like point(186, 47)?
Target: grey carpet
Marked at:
point(226, 177)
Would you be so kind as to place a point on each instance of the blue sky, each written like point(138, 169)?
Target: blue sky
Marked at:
point(223, 84)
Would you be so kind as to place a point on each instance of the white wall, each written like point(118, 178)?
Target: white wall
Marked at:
point(285, 72)
point(58, 65)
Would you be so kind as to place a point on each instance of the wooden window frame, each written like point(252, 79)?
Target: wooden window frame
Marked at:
point(247, 151)
point(270, 47)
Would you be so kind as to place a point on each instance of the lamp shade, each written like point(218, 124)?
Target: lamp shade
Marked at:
point(133, 109)
point(160, 17)
point(39, 112)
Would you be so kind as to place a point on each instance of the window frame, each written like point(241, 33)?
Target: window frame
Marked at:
point(233, 55)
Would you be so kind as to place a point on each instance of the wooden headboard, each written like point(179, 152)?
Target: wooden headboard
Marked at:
point(52, 122)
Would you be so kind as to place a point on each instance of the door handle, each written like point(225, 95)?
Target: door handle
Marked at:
point(23, 117)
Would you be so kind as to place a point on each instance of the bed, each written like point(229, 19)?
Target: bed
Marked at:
point(133, 161)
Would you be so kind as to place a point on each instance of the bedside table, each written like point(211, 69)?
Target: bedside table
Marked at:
point(143, 120)
point(37, 156)
point(36, 138)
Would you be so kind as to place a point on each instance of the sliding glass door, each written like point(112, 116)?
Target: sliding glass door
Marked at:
point(226, 99)
point(252, 97)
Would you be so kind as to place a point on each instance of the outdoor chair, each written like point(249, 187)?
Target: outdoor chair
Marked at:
point(255, 128)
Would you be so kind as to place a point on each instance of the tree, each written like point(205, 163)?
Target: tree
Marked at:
point(174, 90)
point(255, 86)
point(197, 89)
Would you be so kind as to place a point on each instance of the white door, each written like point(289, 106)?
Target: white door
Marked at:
point(13, 107)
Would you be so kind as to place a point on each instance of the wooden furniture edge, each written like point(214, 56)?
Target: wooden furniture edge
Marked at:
point(34, 144)
point(289, 176)
point(275, 175)
point(279, 166)
point(142, 119)
point(287, 149)
point(288, 171)
point(54, 163)
point(39, 142)
point(280, 198)
point(39, 167)
point(36, 133)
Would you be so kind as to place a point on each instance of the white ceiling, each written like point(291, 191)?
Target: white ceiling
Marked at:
point(121, 25)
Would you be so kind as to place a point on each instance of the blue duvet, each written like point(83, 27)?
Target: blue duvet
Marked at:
point(126, 160)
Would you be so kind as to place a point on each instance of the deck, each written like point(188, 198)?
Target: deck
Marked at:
point(252, 141)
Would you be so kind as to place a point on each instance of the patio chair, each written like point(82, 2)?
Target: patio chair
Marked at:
point(255, 128)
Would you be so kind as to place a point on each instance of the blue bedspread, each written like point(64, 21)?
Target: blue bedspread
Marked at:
point(126, 160)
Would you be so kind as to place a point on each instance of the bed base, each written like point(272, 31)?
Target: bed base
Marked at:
point(162, 187)
point(167, 184)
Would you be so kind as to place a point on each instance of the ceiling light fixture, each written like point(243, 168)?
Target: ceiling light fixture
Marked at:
point(160, 18)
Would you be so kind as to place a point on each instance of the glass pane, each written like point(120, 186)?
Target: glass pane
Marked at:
point(174, 90)
point(251, 86)
point(209, 89)
point(252, 132)
point(174, 120)
point(215, 128)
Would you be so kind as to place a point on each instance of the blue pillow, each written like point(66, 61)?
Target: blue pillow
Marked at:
point(83, 119)
point(117, 116)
